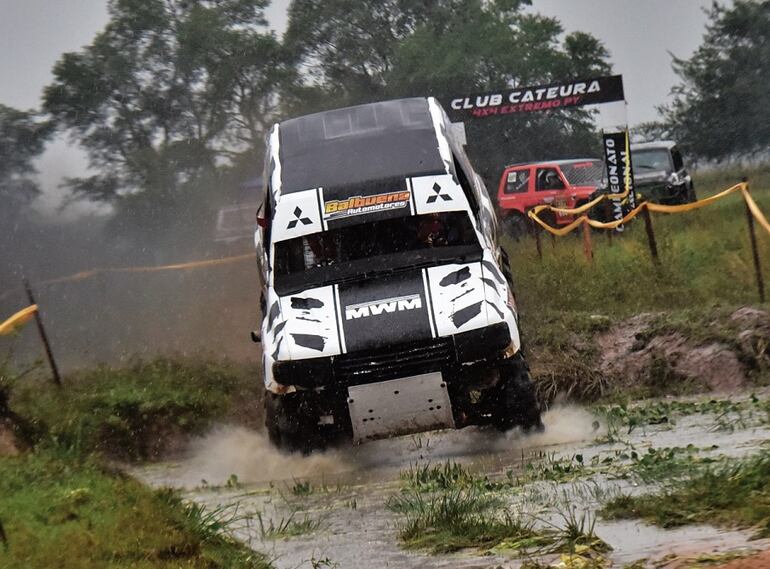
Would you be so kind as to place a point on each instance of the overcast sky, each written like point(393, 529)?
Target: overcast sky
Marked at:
point(638, 33)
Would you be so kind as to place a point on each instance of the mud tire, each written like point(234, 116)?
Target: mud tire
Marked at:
point(291, 424)
point(517, 404)
point(516, 226)
point(691, 195)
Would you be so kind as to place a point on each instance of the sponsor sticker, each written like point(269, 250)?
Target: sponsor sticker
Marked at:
point(360, 205)
point(387, 305)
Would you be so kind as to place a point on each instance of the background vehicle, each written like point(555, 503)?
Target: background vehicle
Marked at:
point(388, 298)
point(659, 173)
point(560, 183)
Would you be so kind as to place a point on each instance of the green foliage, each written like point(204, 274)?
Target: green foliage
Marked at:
point(60, 511)
point(719, 110)
point(163, 95)
point(22, 136)
point(132, 412)
point(364, 51)
point(733, 493)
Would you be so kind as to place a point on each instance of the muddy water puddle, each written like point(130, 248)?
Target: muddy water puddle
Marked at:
point(336, 502)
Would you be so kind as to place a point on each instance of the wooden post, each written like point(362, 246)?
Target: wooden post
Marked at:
point(43, 336)
point(651, 242)
point(587, 245)
point(608, 217)
point(536, 234)
point(754, 249)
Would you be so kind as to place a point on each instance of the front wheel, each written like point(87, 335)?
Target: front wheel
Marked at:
point(292, 422)
point(691, 196)
point(515, 225)
point(517, 404)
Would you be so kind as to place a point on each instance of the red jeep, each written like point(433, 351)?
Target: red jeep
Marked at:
point(560, 183)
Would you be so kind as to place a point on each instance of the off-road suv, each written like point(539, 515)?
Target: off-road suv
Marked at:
point(659, 173)
point(387, 303)
point(560, 183)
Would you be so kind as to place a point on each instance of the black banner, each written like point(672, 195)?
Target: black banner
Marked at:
point(616, 157)
point(537, 98)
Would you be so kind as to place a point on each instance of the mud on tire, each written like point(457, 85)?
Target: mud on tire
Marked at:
point(517, 404)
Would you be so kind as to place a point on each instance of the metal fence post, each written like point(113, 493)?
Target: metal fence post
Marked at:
point(43, 336)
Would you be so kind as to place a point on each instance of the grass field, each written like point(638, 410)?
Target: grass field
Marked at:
point(705, 261)
point(62, 511)
point(734, 494)
point(62, 507)
point(135, 413)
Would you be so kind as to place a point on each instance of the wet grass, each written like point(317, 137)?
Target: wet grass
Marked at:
point(132, 413)
point(448, 475)
point(286, 527)
point(445, 508)
point(730, 494)
point(456, 519)
point(58, 510)
point(623, 418)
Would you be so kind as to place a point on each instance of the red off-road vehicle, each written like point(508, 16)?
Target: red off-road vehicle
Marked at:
point(560, 183)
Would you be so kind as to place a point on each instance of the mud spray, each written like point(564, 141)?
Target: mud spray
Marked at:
point(236, 451)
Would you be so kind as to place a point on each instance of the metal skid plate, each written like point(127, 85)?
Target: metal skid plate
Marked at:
point(399, 406)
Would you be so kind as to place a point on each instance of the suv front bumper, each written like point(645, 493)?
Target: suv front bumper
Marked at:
point(449, 355)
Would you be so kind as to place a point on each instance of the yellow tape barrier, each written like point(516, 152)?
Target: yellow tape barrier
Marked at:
point(622, 196)
point(147, 269)
point(659, 208)
point(17, 320)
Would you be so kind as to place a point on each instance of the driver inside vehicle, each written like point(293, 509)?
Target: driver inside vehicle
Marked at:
point(432, 231)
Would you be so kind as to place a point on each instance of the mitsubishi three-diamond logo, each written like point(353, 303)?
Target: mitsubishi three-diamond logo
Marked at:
point(437, 189)
point(300, 219)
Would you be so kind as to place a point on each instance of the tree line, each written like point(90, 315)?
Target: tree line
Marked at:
point(173, 98)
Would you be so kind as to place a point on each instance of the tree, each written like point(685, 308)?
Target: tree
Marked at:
point(22, 139)
point(168, 93)
point(359, 51)
point(720, 107)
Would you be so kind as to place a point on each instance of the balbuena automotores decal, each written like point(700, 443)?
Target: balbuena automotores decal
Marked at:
point(537, 98)
point(360, 205)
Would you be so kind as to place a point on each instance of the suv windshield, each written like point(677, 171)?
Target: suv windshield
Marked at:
point(654, 160)
point(586, 173)
point(355, 252)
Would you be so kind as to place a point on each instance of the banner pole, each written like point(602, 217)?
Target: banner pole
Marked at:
point(43, 336)
point(754, 248)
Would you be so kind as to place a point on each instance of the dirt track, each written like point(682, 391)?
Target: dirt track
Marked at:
point(343, 494)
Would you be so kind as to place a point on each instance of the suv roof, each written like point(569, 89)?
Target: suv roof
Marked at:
point(665, 144)
point(553, 162)
point(369, 142)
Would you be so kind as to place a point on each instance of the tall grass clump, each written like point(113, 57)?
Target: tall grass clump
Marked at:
point(133, 412)
point(730, 494)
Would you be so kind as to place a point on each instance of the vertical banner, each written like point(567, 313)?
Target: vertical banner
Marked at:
point(620, 178)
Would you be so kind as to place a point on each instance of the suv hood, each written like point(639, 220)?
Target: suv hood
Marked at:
point(397, 308)
point(651, 177)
